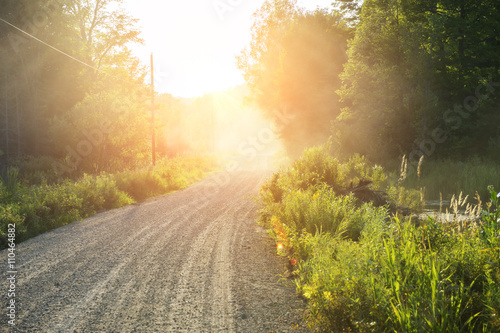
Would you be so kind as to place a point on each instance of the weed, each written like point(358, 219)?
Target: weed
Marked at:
point(363, 271)
point(449, 177)
point(10, 185)
point(38, 208)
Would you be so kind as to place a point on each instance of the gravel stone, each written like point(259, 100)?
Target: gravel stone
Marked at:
point(190, 261)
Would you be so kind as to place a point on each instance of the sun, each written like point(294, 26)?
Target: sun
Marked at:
point(194, 51)
point(193, 46)
point(197, 80)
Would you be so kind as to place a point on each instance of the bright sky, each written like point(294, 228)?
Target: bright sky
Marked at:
point(195, 41)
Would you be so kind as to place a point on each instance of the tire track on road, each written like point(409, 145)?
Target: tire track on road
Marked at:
point(176, 263)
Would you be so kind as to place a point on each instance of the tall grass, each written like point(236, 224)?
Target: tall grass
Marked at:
point(365, 271)
point(318, 209)
point(425, 292)
point(450, 177)
point(38, 208)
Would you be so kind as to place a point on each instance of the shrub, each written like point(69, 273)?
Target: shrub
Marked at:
point(358, 167)
point(10, 185)
point(388, 281)
point(39, 208)
point(9, 214)
point(37, 170)
point(318, 209)
point(98, 192)
point(315, 166)
point(335, 282)
point(141, 184)
point(167, 175)
point(48, 207)
point(362, 271)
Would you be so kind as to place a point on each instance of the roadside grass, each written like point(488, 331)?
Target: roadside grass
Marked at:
point(447, 177)
point(42, 207)
point(362, 270)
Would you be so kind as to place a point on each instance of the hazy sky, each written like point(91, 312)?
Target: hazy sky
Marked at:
point(195, 41)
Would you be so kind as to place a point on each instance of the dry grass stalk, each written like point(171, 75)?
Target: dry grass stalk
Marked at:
point(404, 167)
point(440, 202)
point(470, 212)
point(419, 168)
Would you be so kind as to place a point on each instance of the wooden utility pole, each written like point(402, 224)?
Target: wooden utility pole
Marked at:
point(18, 122)
point(153, 144)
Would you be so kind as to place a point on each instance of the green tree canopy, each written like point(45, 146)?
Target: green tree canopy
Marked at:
point(292, 68)
point(40, 84)
point(410, 63)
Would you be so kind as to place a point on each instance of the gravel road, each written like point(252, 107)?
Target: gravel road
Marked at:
point(191, 261)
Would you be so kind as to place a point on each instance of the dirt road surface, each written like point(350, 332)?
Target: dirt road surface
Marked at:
point(190, 261)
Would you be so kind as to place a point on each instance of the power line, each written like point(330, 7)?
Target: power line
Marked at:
point(57, 50)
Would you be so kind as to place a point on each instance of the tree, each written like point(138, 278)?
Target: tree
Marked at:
point(378, 91)
point(25, 63)
point(409, 64)
point(103, 32)
point(40, 84)
point(104, 132)
point(292, 68)
point(349, 10)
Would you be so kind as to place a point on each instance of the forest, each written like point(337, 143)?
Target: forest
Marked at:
point(381, 78)
point(51, 101)
point(72, 92)
point(384, 78)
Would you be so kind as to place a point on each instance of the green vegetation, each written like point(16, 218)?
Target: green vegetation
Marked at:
point(49, 97)
point(447, 177)
point(292, 67)
point(363, 270)
point(88, 117)
point(385, 78)
point(37, 208)
point(75, 130)
point(416, 79)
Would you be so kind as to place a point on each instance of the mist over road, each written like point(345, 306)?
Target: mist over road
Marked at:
point(191, 261)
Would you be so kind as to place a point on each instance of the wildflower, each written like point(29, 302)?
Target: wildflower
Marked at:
point(328, 295)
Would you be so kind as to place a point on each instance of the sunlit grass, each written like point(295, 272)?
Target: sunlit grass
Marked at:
point(362, 270)
point(41, 207)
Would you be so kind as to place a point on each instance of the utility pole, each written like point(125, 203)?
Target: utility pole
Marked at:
point(153, 112)
point(18, 122)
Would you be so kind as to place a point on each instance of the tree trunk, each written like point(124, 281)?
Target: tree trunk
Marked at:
point(461, 44)
point(7, 138)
